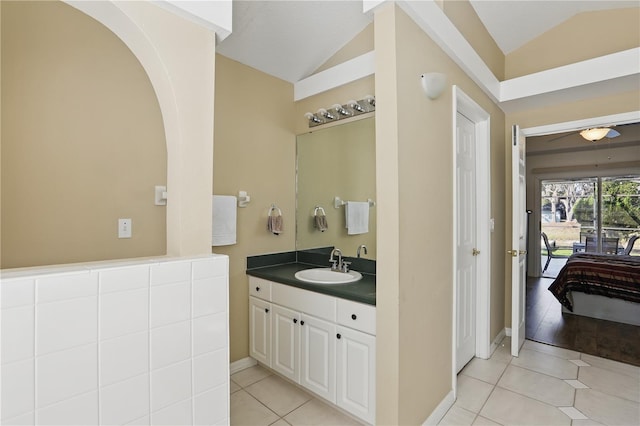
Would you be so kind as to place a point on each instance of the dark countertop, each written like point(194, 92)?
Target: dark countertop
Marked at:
point(363, 291)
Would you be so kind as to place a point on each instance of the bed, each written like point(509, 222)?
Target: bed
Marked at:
point(600, 286)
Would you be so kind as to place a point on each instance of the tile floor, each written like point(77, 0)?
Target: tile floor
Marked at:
point(259, 397)
point(546, 385)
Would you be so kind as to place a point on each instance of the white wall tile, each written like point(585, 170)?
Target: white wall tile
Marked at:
point(28, 419)
point(209, 296)
point(177, 414)
point(17, 292)
point(170, 303)
point(170, 272)
point(16, 380)
point(210, 267)
point(80, 410)
point(170, 385)
point(66, 286)
point(17, 334)
point(142, 421)
point(212, 406)
point(209, 333)
point(64, 374)
point(210, 370)
point(142, 314)
point(63, 325)
point(170, 344)
point(125, 401)
point(123, 279)
point(123, 313)
point(124, 357)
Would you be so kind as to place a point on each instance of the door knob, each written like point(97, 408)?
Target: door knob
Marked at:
point(475, 252)
point(513, 253)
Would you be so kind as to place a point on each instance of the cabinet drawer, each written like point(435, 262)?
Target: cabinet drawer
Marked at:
point(316, 304)
point(260, 288)
point(356, 315)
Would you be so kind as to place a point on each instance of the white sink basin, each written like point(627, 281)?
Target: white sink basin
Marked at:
point(327, 276)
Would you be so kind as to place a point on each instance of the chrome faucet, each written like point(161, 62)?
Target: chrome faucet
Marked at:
point(362, 246)
point(336, 265)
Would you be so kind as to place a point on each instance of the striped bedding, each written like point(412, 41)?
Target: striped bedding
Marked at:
point(601, 274)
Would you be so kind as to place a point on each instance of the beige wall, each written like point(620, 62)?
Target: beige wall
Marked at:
point(415, 169)
point(359, 45)
point(464, 17)
point(254, 151)
point(83, 142)
point(585, 36)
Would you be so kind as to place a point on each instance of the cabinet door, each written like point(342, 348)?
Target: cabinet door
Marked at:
point(286, 342)
point(318, 354)
point(356, 361)
point(260, 330)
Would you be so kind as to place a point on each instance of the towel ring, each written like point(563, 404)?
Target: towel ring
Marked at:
point(276, 209)
point(315, 211)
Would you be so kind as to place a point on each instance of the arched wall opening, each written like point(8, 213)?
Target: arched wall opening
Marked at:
point(182, 81)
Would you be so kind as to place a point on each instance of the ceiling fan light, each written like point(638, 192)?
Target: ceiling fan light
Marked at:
point(595, 134)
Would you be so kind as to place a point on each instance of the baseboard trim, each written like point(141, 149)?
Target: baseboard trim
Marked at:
point(440, 410)
point(498, 339)
point(241, 364)
point(507, 331)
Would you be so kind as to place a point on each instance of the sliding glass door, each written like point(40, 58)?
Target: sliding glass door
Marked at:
point(599, 215)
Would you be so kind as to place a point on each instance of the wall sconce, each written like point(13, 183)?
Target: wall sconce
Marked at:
point(340, 109)
point(326, 114)
point(433, 84)
point(312, 118)
point(338, 112)
point(371, 100)
point(354, 105)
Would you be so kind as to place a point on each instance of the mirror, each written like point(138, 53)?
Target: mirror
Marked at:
point(337, 161)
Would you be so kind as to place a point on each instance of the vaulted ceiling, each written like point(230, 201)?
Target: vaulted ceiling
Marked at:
point(291, 39)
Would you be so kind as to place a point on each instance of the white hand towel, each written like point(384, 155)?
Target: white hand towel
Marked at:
point(357, 217)
point(223, 232)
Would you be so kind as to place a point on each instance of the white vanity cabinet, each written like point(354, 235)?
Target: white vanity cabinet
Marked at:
point(324, 343)
point(285, 349)
point(260, 330)
point(356, 363)
point(318, 352)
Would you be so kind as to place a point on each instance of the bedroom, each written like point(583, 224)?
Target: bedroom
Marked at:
point(557, 163)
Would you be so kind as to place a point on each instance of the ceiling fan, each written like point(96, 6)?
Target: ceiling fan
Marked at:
point(596, 133)
point(592, 134)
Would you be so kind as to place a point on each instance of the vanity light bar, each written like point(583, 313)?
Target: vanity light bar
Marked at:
point(338, 112)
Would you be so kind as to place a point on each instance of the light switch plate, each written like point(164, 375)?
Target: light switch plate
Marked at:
point(124, 228)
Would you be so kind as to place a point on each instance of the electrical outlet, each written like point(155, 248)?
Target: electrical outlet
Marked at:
point(124, 228)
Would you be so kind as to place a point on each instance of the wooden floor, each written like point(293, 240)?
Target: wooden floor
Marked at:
point(545, 323)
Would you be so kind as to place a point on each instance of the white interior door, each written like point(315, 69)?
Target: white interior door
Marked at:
point(518, 249)
point(466, 250)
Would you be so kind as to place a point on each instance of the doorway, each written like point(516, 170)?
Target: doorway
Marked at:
point(568, 172)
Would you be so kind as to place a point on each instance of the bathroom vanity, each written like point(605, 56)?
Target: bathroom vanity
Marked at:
point(320, 336)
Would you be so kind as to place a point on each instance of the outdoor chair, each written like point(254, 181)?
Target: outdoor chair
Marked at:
point(609, 245)
point(630, 243)
point(550, 252)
